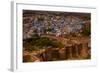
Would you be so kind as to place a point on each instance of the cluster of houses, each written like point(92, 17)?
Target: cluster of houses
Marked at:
point(54, 24)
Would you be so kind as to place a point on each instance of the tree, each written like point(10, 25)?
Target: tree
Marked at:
point(86, 31)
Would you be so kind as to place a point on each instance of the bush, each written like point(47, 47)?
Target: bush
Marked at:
point(86, 32)
point(41, 42)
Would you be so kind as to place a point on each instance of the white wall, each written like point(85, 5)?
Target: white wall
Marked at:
point(5, 34)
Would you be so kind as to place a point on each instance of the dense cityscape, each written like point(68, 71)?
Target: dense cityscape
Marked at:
point(55, 36)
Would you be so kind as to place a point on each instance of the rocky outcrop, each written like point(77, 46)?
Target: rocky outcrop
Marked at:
point(76, 51)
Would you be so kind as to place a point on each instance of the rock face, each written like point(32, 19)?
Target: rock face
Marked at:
point(70, 52)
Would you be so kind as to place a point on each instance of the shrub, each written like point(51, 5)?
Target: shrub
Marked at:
point(41, 42)
point(86, 32)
